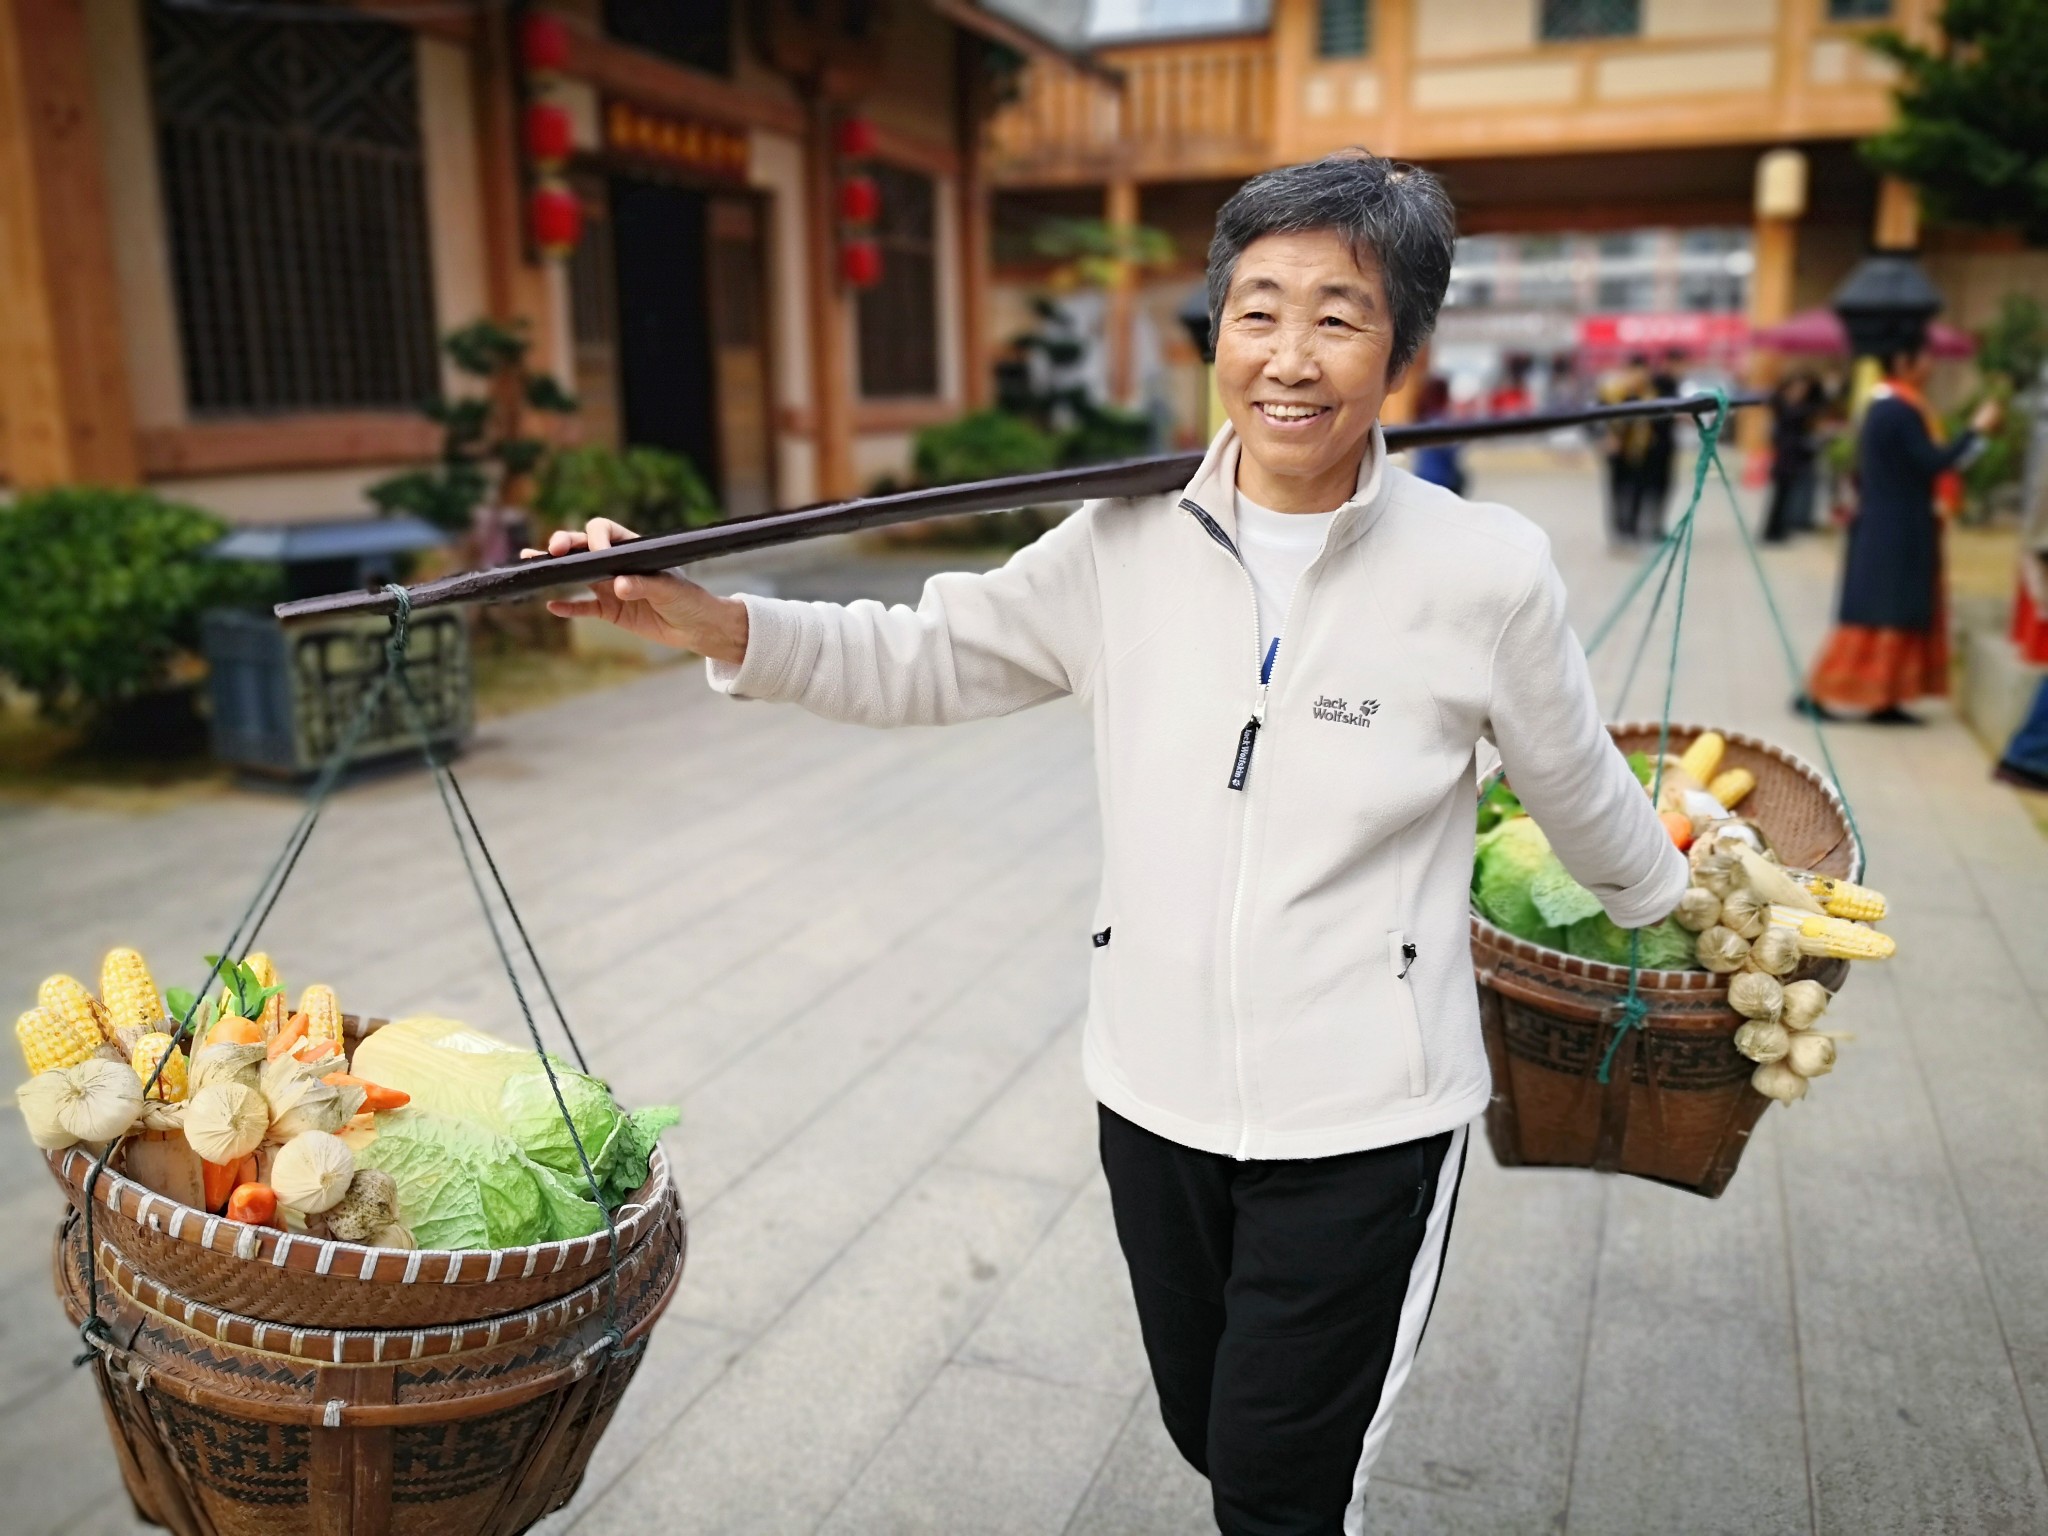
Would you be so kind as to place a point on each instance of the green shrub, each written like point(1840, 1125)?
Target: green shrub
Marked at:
point(1102, 434)
point(984, 445)
point(648, 489)
point(101, 590)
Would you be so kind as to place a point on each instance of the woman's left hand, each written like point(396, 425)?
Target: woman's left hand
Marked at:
point(1987, 418)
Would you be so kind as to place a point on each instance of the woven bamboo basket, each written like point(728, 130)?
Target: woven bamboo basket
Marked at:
point(1678, 1107)
point(227, 1425)
point(310, 1282)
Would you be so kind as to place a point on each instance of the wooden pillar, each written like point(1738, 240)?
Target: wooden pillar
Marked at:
point(65, 413)
point(831, 314)
point(516, 282)
point(1120, 212)
point(1897, 226)
point(976, 226)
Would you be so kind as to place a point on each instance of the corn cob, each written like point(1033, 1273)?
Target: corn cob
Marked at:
point(128, 991)
point(1704, 755)
point(323, 1014)
point(48, 1041)
point(170, 1083)
point(273, 1016)
point(1841, 898)
point(1729, 788)
point(67, 999)
point(1833, 937)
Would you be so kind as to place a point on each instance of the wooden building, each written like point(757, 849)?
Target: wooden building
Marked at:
point(231, 234)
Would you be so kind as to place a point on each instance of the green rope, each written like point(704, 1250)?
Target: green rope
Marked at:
point(1634, 1010)
point(1635, 662)
point(1662, 552)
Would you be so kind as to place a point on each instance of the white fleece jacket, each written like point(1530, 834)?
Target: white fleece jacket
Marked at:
point(1282, 962)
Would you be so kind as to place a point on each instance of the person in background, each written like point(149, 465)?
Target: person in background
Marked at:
point(1627, 445)
point(1443, 463)
point(1890, 642)
point(1663, 384)
point(1796, 405)
point(2024, 763)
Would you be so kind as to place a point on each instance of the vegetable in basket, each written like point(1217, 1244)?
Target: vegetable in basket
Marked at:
point(461, 1186)
point(1505, 864)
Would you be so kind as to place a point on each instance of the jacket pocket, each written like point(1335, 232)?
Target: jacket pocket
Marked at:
point(1400, 960)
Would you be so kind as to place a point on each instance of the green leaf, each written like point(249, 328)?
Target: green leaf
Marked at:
point(1559, 899)
point(545, 393)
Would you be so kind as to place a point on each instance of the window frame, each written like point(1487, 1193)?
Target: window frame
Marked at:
point(1546, 33)
point(1364, 50)
point(897, 247)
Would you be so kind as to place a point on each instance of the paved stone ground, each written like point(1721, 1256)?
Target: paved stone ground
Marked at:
point(855, 959)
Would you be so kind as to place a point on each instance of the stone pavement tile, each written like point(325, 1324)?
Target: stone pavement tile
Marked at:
point(775, 1443)
point(1068, 1316)
point(1492, 1408)
point(55, 1461)
point(1043, 1126)
point(1395, 1509)
point(983, 1454)
point(683, 1360)
point(1914, 1420)
point(111, 1516)
point(1143, 1487)
point(1695, 1292)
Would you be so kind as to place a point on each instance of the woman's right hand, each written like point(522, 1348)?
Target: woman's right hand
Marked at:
point(661, 607)
point(1986, 419)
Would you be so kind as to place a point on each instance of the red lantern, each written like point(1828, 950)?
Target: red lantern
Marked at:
point(859, 199)
point(557, 219)
point(543, 43)
point(855, 138)
point(860, 263)
point(549, 137)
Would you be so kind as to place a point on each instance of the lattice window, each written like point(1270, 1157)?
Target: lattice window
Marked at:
point(899, 316)
point(1344, 29)
point(294, 190)
point(1563, 20)
point(1859, 10)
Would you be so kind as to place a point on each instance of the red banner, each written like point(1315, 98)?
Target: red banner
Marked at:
point(1682, 331)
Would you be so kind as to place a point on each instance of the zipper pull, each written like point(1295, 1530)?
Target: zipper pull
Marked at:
point(1407, 960)
point(1241, 765)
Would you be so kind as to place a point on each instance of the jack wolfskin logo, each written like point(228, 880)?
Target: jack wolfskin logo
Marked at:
point(1327, 708)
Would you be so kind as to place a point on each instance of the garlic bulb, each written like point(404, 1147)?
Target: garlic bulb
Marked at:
point(312, 1172)
point(397, 1235)
point(1775, 952)
point(1775, 1080)
point(1756, 996)
point(300, 1102)
point(225, 1120)
point(1698, 909)
point(1812, 1054)
point(1761, 1040)
point(1746, 913)
point(93, 1101)
point(226, 1063)
point(1720, 873)
point(1805, 1001)
point(1721, 949)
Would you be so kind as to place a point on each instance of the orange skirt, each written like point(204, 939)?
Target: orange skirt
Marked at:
point(1861, 668)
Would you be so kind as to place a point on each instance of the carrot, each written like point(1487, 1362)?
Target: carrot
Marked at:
point(235, 1031)
point(245, 1170)
point(1679, 826)
point(218, 1181)
point(293, 1032)
point(375, 1096)
point(255, 1204)
point(318, 1051)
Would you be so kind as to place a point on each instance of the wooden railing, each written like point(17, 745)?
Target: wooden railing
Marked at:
point(1186, 107)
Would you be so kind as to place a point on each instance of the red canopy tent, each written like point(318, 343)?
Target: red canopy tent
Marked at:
point(1820, 331)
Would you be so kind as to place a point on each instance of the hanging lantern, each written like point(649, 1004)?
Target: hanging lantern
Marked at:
point(543, 43)
point(860, 200)
point(549, 137)
point(556, 217)
point(855, 137)
point(860, 263)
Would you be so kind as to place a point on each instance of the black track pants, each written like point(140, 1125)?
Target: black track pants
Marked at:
point(1281, 1303)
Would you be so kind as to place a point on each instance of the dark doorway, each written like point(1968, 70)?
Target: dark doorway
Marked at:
point(666, 380)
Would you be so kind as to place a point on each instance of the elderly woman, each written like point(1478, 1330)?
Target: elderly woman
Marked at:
point(1283, 1033)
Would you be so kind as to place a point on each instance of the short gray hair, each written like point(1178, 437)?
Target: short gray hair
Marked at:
point(1397, 215)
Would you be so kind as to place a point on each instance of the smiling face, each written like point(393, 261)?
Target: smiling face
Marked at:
point(1301, 366)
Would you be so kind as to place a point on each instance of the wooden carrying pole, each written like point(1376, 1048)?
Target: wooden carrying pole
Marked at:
point(1132, 477)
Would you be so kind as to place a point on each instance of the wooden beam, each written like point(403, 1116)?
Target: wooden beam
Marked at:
point(340, 440)
point(830, 310)
point(515, 282)
point(976, 220)
point(656, 82)
point(1120, 212)
point(65, 413)
point(1897, 225)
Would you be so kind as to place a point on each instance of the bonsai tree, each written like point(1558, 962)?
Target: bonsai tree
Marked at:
point(487, 453)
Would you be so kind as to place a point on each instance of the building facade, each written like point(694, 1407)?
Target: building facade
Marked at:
point(232, 234)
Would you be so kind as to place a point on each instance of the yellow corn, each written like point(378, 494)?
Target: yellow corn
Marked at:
point(128, 991)
point(1730, 787)
point(1841, 898)
point(48, 1041)
point(1704, 755)
point(273, 1016)
point(1833, 937)
point(170, 1083)
point(323, 1014)
point(66, 998)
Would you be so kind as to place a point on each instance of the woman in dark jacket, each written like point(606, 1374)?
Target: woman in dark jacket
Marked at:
point(1890, 645)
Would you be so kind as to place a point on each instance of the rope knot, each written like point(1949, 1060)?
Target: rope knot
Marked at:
point(401, 625)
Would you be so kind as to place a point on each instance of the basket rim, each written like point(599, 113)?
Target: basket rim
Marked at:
point(331, 1258)
point(1601, 971)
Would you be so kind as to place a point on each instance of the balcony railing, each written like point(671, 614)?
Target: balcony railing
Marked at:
point(1186, 107)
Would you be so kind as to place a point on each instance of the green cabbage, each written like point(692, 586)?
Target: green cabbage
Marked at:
point(1665, 945)
point(1505, 864)
point(461, 1186)
point(1559, 899)
point(454, 1070)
